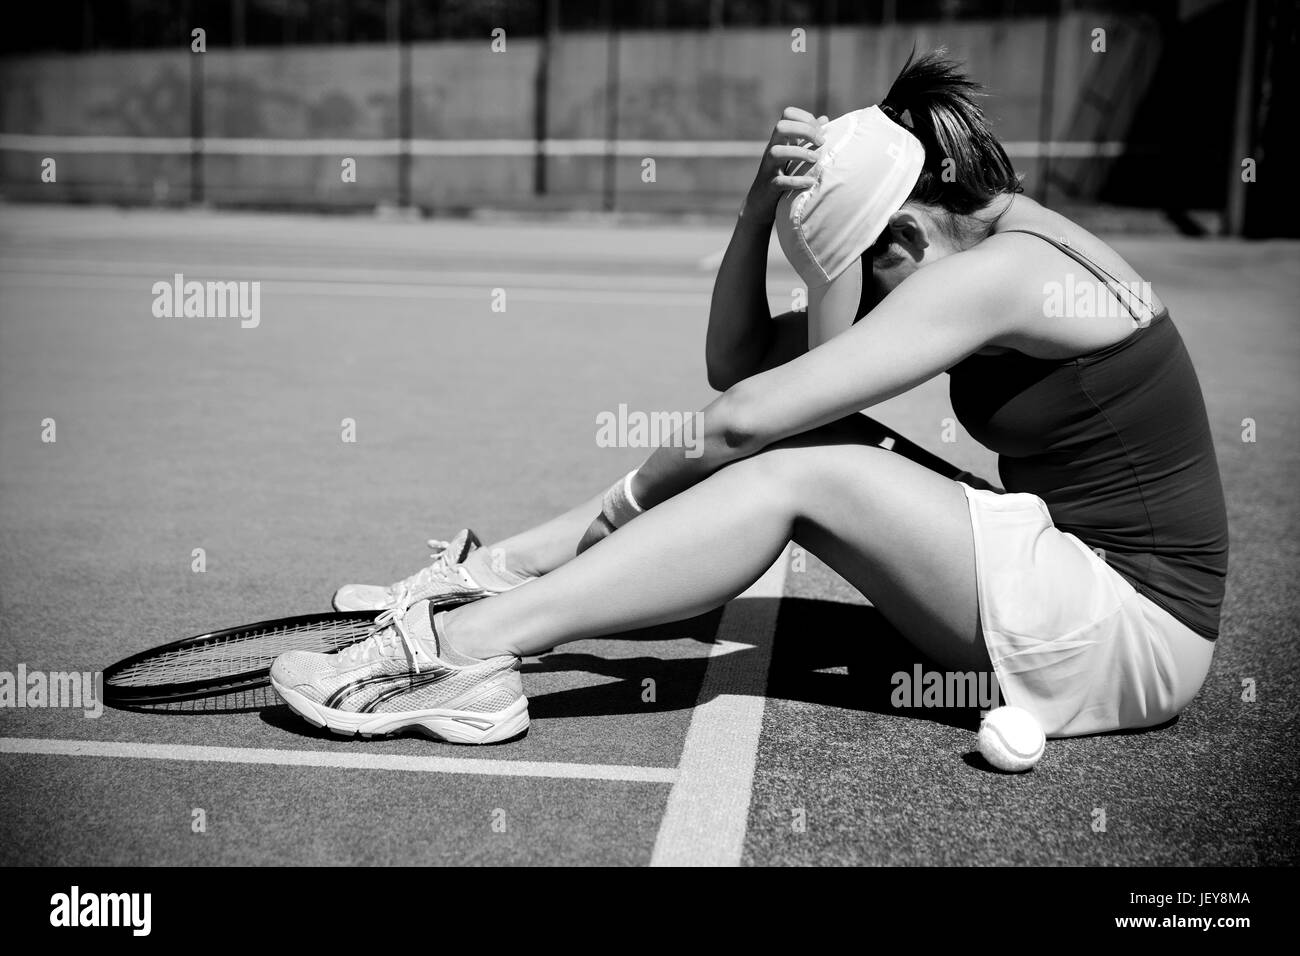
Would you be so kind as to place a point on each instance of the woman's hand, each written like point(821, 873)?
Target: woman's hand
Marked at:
point(794, 140)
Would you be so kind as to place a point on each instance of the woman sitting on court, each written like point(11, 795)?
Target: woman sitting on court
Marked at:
point(1091, 586)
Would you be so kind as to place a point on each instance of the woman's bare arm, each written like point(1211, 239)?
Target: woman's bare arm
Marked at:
point(741, 332)
point(739, 318)
point(925, 326)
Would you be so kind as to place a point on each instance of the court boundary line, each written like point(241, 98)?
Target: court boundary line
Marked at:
point(560, 281)
point(736, 149)
point(325, 759)
point(707, 816)
point(632, 297)
point(385, 283)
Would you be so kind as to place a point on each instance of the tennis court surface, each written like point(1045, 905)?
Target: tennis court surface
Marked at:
point(762, 733)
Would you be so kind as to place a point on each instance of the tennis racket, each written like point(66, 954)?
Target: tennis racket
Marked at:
point(229, 671)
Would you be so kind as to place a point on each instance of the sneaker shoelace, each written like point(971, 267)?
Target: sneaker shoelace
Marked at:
point(388, 628)
point(439, 569)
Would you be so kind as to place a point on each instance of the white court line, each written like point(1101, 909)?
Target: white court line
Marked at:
point(478, 148)
point(341, 761)
point(432, 275)
point(708, 808)
point(611, 297)
point(570, 288)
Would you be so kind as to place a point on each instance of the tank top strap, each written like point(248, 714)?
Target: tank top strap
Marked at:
point(1119, 289)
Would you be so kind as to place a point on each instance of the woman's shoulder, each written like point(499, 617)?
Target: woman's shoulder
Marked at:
point(1030, 232)
point(1058, 306)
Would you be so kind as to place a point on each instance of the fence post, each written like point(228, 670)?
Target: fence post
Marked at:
point(1243, 126)
point(824, 58)
point(541, 94)
point(196, 110)
point(1046, 108)
point(611, 111)
point(404, 104)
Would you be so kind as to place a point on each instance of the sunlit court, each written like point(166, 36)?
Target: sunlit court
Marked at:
point(273, 314)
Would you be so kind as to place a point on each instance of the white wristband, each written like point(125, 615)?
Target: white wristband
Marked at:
point(627, 491)
point(619, 505)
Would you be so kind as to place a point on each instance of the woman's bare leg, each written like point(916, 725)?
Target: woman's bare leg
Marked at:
point(898, 531)
point(542, 549)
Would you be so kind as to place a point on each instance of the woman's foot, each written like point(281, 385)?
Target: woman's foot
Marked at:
point(446, 578)
point(402, 677)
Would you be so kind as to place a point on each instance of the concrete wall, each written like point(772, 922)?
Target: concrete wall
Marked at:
point(120, 94)
point(684, 86)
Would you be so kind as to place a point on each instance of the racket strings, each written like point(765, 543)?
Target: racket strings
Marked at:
point(243, 700)
point(240, 652)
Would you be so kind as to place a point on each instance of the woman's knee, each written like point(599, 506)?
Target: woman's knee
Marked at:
point(802, 470)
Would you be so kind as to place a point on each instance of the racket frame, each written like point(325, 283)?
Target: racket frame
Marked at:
point(177, 691)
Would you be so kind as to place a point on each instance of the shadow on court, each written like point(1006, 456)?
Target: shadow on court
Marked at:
point(829, 654)
point(826, 653)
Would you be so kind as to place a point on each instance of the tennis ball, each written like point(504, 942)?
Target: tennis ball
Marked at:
point(1011, 739)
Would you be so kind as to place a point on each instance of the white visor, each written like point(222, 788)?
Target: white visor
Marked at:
point(866, 169)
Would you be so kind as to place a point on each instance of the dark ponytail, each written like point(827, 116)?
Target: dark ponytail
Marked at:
point(940, 100)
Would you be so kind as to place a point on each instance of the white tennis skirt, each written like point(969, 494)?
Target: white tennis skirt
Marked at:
point(1071, 641)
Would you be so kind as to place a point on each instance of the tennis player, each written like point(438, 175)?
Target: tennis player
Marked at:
point(1091, 585)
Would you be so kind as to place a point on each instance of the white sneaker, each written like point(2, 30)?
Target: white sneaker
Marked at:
point(395, 680)
point(444, 581)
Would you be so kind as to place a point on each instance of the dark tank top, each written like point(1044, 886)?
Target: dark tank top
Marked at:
point(1118, 446)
